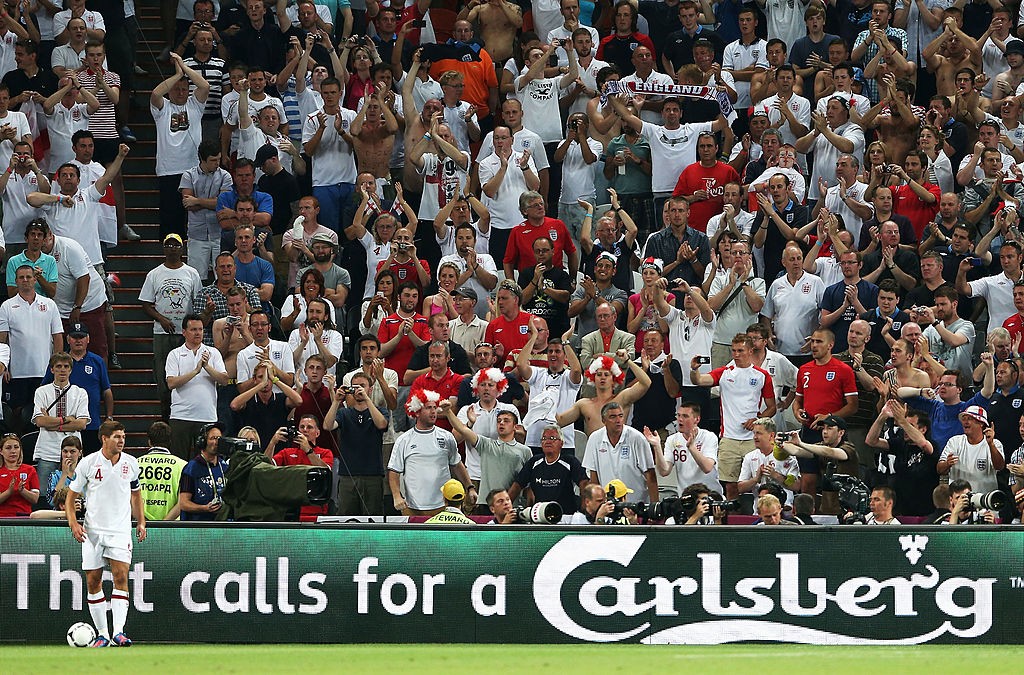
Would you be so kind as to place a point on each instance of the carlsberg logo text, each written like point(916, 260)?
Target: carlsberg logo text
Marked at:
point(778, 605)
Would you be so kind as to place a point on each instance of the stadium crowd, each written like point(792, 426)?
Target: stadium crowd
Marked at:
point(546, 249)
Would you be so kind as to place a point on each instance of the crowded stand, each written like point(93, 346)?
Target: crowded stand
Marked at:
point(659, 261)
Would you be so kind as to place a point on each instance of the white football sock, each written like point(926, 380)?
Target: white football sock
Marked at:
point(98, 612)
point(119, 609)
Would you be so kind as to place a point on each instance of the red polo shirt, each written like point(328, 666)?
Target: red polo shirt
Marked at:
point(512, 334)
point(519, 252)
point(906, 203)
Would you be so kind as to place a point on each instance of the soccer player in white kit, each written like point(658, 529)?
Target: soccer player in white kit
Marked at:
point(109, 479)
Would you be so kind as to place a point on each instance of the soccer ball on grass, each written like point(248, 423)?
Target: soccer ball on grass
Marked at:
point(81, 634)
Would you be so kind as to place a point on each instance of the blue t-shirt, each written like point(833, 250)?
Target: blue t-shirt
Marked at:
point(89, 373)
point(46, 262)
point(202, 481)
point(945, 418)
point(255, 273)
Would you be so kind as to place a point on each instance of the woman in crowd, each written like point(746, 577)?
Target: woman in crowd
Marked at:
point(381, 304)
point(643, 315)
point(447, 277)
point(293, 309)
point(930, 141)
point(19, 484)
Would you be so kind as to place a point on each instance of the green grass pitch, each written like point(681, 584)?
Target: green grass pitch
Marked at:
point(457, 658)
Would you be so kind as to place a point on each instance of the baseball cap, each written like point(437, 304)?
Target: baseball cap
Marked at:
point(616, 489)
point(323, 238)
point(977, 412)
point(264, 153)
point(466, 292)
point(703, 42)
point(174, 237)
point(78, 330)
point(759, 113)
point(453, 491)
point(1014, 47)
point(834, 421)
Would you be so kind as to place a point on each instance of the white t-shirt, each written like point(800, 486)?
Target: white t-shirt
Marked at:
point(252, 138)
point(334, 160)
point(744, 223)
point(107, 489)
point(73, 264)
point(739, 56)
point(794, 309)
point(447, 242)
point(755, 459)
point(75, 403)
point(504, 206)
point(375, 253)
point(677, 453)
point(541, 113)
point(30, 327)
point(196, 400)
point(61, 126)
point(179, 131)
point(249, 357)
point(80, 221)
point(455, 118)
point(627, 460)
point(800, 106)
point(859, 104)
point(561, 391)
point(742, 391)
point(171, 292)
point(19, 121)
point(577, 175)
point(331, 338)
point(826, 155)
point(93, 21)
point(836, 205)
point(17, 213)
point(688, 338)
point(975, 462)
point(443, 180)
point(998, 293)
point(737, 315)
point(524, 139)
point(588, 76)
point(672, 150)
point(424, 458)
point(786, 19)
point(106, 212)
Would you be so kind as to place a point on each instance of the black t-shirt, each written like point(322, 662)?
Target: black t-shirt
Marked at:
point(283, 189)
point(360, 442)
point(656, 409)
point(623, 277)
point(922, 296)
point(909, 471)
point(904, 259)
point(1004, 413)
point(266, 418)
point(795, 215)
point(553, 482)
point(44, 82)
point(877, 343)
point(542, 304)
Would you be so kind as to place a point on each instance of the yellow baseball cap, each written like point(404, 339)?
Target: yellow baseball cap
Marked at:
point(453, 491)
point(616, 489)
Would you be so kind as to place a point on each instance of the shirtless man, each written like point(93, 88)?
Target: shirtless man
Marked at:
point(231, 333)
point(948, 53)
point(373, 135)
point(605, 373)
point(1008, 81)
point(892, 116)
point(417, 122)
point(499, 22)
point(604, 123)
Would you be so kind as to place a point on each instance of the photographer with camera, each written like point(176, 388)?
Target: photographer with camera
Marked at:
point(202, 479)
point(604, 507)
point(361, 427)
point(299, 448)
point(500, 505)
point(699, 507)
point(833, 447)
point(966, 507)
point(975, 455)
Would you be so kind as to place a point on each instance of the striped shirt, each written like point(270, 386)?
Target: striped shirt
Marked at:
point(102, 123)
point(216, 73)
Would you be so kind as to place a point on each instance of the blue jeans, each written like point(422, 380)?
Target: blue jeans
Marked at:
point(332, 198)
point(44, 468)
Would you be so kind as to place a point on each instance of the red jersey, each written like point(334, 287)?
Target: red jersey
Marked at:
point(906, 203)
point(512, 334)
point(519, 251)
point(317, 405)
point(407, 272)
point(1015, 324)
point(296, 457)
point(16, 505)
point(447, 387)
point(824, 388)
point(711, 179)
point(398, 360)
